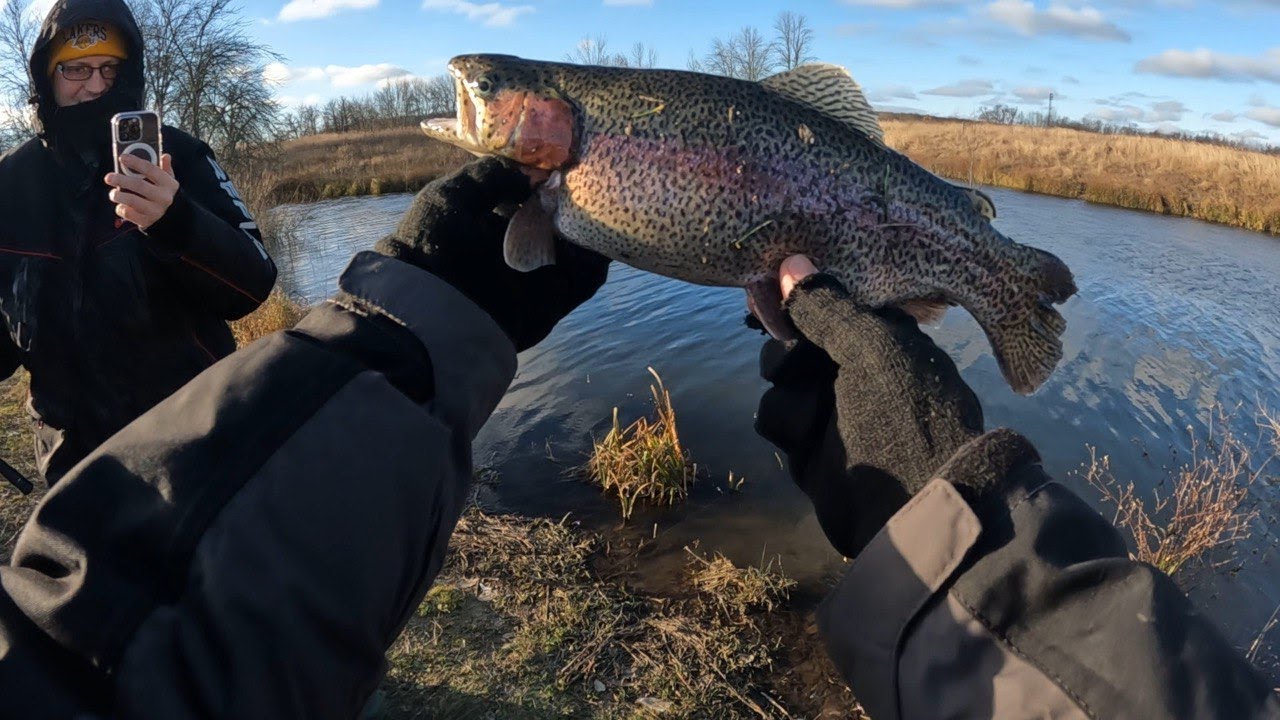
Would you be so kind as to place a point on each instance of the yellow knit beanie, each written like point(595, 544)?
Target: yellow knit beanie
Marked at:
point(91, 37)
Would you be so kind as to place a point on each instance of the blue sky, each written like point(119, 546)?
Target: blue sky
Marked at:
point(1187, 64)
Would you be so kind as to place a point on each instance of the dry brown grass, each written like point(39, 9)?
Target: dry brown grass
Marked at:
point(278, 312)
point(738, 591)
point(16, 447)
point(534, 619)
point(357, 163)
point(643, 462)
point(1208, 182)
point(1205, 512)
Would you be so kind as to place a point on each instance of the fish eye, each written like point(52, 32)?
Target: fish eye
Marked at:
point(484, 86)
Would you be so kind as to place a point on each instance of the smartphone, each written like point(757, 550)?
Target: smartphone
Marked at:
point(137, 133)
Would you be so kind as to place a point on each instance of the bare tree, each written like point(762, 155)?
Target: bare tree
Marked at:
point(793, 40)
point(642, 56)
point(204, 72)
point(745, 55)
point(595, 51)
point(18, 29)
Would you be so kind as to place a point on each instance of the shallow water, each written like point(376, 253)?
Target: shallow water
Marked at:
point(1173, 317)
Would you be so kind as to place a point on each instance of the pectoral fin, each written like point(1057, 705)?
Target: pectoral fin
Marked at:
point(530, 242)
point(764, 299)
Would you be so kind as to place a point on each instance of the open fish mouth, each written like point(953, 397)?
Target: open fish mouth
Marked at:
point(462, 130)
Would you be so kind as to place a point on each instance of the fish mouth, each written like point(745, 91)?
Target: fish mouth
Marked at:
point(462, 130)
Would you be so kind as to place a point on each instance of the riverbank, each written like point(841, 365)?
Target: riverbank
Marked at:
point(1174, 177)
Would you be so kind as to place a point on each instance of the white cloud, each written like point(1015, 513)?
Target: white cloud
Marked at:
point(1084, 21)
point(1160, 112)
point(295, 101)
point(1267, 115)
point(892, 92)
point(1070, 80)
point(964, 88)
point(1166, 111)
point(621, 3)
point(1127, 113)
point(362, 75)
point(1256, 100)
point(1204, 63)
point(1225, 116)
point(492, 14)
point(969, 60)
point(315, 9)
point(280, 74)
point(1033, 93)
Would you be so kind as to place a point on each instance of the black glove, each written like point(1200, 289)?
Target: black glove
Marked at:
point(867, 409)
point(453, 232)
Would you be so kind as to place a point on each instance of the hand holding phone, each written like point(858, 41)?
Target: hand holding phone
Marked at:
point(143, 182)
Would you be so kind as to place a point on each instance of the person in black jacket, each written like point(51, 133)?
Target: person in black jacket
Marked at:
point(114, 291)
point(311, 483)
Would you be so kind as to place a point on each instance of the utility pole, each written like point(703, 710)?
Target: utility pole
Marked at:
point(1049, 121)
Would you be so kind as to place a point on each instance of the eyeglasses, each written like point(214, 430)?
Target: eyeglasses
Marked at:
point(80, 73)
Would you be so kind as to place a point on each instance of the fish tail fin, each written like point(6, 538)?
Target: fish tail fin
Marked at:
point(1027, 339)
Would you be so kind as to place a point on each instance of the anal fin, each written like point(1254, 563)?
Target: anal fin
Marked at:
point(764, 299)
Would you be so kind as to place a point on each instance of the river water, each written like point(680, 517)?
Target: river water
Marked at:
point(1174, 317)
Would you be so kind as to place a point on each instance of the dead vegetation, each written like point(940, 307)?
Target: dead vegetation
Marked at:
point(533, 618)
point(739, 590)
point(16, 446)
point(374, 162)
point(1205, 512)
point(644, 461)
point(1208, 182)
point(278, 312)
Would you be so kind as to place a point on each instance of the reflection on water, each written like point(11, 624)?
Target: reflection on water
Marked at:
point(1173, 316)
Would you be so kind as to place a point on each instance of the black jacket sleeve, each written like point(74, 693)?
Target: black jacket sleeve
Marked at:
point(273, 524)
point(10, 357)
point(1025, 604)
point(209, 239)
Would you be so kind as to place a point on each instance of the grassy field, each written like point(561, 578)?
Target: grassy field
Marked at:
point(347, 164)
point(1207, 182)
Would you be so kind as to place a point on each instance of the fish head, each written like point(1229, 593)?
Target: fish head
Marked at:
point(508, 106)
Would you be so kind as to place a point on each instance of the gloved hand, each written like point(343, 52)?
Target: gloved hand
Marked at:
point(453, 232)
point(866, 407)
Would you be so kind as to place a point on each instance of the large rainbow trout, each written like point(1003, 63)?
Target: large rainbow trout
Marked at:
point(716, 181)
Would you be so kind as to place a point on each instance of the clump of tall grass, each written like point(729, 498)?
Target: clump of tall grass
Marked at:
point(1206, 510)
point(739, 591)
point(277, 312)
point(644, 461)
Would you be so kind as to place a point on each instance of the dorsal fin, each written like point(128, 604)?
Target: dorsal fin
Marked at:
point(830, 90)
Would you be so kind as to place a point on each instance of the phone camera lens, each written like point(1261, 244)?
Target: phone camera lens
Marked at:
point(130, 130)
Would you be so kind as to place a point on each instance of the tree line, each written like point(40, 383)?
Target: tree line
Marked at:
point(1003, 114)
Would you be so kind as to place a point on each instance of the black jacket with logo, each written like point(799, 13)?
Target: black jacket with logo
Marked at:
point(110, 319)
